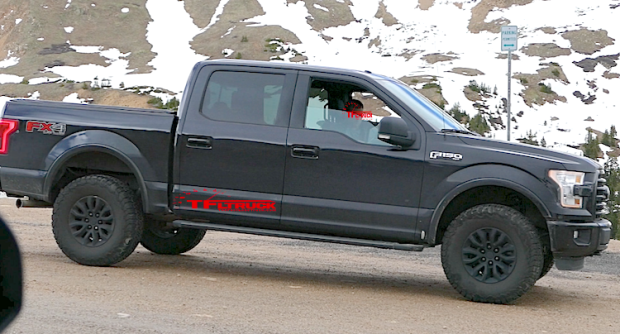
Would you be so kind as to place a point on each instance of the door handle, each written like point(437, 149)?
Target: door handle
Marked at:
point(305, 152)
point(203, 143)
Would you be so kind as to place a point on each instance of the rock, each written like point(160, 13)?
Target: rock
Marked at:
point(606, 91)
point(437, 57)
point(55, 63)
point(588, 64)
point(520, 113)
point(57, 49)
point(545, 50)
point(471, 72)
point(589, 119)
point(553, 118)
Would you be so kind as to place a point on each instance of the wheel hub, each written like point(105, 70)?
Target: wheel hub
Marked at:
point(489, 255)
point(91, 221)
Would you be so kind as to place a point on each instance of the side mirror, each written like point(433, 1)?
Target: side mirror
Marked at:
point(10, 277)
point(394, 131)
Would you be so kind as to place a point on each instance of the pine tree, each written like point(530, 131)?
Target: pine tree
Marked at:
point(530, 139)
point(543, 142)
point(479, 124)
point(591, 148)
point(606, 139)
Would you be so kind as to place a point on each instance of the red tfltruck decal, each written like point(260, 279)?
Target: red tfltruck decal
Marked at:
point(7, 126)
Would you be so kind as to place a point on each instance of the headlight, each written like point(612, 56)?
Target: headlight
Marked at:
point(566, 181)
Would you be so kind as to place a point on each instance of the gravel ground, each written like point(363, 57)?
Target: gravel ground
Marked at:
point(234, 283)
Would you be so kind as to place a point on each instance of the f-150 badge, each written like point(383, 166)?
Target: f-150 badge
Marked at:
point(445, 155)
point(46, 128)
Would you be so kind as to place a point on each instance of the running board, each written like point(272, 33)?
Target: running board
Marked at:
point(300, 236)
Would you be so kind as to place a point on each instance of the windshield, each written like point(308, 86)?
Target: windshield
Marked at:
point(426, 109)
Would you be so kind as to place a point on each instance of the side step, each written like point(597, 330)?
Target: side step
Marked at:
point(300, 236)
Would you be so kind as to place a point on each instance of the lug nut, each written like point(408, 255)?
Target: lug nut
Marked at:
point(484, 259)
point(490, 262)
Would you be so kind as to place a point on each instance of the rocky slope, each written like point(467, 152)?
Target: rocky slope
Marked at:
point(565, 76)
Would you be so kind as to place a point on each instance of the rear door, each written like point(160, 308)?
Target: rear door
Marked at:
point(230, 151)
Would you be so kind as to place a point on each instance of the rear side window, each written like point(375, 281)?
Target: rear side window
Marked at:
point(243, 97)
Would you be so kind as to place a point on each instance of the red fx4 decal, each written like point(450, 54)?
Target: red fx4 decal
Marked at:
point(46, 128)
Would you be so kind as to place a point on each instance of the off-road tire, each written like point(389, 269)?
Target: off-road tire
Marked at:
point(488, 221)
point(547, 254)
point(166, 241)
point(120, 212)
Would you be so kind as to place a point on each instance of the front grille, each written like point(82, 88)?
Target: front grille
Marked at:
point(602, 194)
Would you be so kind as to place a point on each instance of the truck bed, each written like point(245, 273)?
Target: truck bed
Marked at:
point(31, 153)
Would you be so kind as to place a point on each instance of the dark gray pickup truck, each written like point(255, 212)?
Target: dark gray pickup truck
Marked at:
point(304, 152)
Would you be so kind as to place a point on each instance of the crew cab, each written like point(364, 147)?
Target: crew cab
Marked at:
point(305, 152)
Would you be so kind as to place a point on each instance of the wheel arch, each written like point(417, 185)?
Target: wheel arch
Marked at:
point(460, 199)
point(128, 160)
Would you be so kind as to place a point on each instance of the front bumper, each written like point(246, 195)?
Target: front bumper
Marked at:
point(570, 240)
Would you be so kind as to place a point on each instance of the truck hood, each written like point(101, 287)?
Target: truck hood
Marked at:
point(569, 161)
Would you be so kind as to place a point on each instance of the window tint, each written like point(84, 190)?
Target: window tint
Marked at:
point(347, 109)
point(245, 98)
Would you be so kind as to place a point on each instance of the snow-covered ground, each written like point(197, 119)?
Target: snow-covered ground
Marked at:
point(441, 29)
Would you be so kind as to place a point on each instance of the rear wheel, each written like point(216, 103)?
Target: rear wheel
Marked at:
point(491, 253)
point(97, 221)
point(159, 238)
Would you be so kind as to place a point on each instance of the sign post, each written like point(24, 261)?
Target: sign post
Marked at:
point(509, 43)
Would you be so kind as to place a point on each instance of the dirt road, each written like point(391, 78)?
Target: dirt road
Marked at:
point(234, 283)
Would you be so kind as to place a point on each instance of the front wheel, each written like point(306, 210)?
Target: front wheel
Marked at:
point(159, 238)
point(97, 220)
point(492, 254)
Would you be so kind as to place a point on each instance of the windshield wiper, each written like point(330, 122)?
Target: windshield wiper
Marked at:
point(467, 132)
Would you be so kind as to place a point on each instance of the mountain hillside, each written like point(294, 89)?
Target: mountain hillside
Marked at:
point(565, 79)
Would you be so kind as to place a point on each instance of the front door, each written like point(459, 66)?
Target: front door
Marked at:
point(340, 179)
point(231, 148)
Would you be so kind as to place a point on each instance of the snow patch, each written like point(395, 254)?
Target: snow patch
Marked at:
point(73, 98)
point(321, 7)
point(125, 10)
point(42, 80)
point(68, 3)
point(17, 21)
point(10, 61)
point(68, 30)
point(216, 16)
point(227, 52)
point(10, 78)
point(40, 39)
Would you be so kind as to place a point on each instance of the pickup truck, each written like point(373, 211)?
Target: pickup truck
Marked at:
point(304, 152)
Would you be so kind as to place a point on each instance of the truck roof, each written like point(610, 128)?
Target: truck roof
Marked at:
point(295, 66)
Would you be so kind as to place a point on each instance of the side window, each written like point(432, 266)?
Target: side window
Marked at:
point(346, 108)
point(243, 97)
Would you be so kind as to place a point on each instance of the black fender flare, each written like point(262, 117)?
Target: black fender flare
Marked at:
point(101, 141)
point(495, 175)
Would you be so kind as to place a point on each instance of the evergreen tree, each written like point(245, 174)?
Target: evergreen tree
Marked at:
point(479, 124)
point(591, 148)
point(606, 139)
point(530, 139)
point(543, 142)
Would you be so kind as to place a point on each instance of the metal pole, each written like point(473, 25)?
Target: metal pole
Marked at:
point(508, 98)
